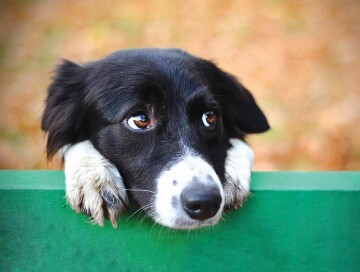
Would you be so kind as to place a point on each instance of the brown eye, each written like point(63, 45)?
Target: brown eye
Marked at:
point(208, 119)
point(139, 121)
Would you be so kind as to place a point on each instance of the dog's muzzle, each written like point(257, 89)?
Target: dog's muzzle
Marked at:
point(189, 195)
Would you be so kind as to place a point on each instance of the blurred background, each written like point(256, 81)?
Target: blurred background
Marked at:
point(300, 59)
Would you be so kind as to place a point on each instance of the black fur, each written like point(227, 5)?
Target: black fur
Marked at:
point(95, 100)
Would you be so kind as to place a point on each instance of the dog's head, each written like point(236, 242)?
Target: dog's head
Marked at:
point(164, 118)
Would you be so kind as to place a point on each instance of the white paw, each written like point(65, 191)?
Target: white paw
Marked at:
point(93, 184)
point(238, 165)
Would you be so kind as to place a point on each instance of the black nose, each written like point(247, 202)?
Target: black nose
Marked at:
point(200, 202)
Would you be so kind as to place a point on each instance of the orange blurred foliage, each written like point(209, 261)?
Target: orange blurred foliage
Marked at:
point(301, 60)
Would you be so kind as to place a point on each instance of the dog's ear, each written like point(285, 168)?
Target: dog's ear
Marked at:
point(63, 115)
point(241, 114)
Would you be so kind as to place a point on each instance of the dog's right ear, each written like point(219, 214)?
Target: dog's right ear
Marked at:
point(241, 114)
point(63, 115)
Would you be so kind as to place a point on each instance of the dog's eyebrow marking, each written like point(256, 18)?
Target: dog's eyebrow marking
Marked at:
point(207, 104)
point(201, 92)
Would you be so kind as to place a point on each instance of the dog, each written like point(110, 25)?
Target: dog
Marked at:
point(160, 127)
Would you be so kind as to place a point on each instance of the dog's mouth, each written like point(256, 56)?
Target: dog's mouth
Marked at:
point(189, 195)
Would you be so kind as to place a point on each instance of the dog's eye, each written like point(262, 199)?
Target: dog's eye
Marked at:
point(139, 121)
point(208, 119)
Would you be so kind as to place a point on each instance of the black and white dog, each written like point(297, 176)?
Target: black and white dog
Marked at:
point(158, 126)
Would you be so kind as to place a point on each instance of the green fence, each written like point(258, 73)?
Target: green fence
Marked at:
point(292, 222)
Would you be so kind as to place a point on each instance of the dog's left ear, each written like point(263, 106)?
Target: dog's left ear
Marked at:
point(63, 114)
point(241, 114)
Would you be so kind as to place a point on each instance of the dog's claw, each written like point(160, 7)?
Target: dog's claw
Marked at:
point(239, 202)
point(234, 198)
point(94, 205)
point(113, 219)
point(114, 223)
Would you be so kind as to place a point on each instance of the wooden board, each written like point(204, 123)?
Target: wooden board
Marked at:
point(292, 222)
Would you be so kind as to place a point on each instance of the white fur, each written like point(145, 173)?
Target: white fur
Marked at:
point(88, 174)
point(90, 178)
point(238, 165)
point(171, 183)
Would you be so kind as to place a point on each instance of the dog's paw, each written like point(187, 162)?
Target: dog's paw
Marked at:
point(238, 165)
point(93, 184)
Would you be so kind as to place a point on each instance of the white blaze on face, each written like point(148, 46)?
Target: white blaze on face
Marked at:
point(170, 184)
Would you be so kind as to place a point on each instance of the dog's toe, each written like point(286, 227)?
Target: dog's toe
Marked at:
point(235, 194)
point(112, 205)
point(92, 206)
point(98, 196)
point(74, 198)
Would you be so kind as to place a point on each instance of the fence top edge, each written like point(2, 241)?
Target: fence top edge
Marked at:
point(261, 181)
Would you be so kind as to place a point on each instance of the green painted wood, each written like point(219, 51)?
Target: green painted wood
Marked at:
point(292, 222)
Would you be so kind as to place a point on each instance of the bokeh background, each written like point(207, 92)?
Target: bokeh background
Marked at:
point(300, 58)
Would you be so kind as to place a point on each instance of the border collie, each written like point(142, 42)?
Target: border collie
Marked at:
point(158, 126)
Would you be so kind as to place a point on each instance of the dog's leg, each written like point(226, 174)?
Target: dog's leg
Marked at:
point(238, 165)
point(93, 184)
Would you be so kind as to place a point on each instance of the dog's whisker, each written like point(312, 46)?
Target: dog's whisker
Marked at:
point(152, 227)
point(161, 229)
point(139, 190)
point(147, 215)
point(141, 209)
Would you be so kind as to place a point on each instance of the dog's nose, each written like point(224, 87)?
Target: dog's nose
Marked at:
point(200, 202)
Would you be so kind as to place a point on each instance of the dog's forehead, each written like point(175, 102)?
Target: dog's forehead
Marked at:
point(129, 76)
point(156, 65)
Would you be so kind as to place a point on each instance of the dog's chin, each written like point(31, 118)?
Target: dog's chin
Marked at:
point(188, 223)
